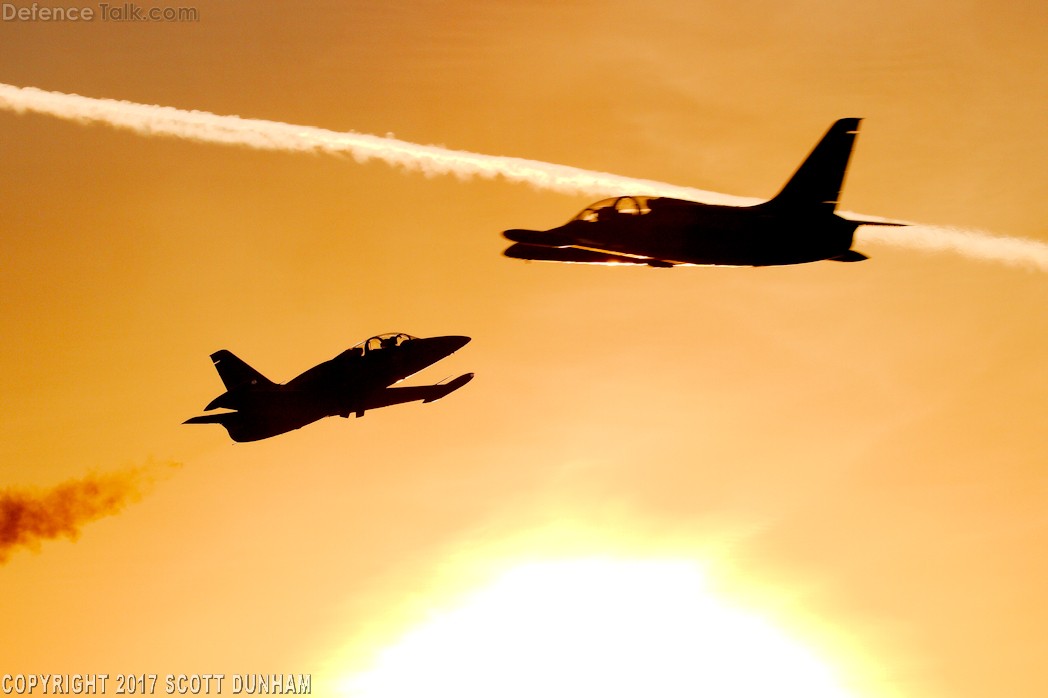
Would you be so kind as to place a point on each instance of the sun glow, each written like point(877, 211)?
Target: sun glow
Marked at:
point(596, 627)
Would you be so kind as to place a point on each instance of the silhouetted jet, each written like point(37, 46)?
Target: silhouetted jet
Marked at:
point(356, 380)
point(798, 225)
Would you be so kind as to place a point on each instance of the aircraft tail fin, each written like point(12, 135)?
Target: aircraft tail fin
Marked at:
point(816, 185)
point(235, 373)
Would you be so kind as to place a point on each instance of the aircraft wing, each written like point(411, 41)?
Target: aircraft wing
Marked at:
point(425, 393)
point(575, 255)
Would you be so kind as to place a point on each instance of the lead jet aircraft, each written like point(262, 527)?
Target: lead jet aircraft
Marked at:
point(353, 382)
point(798, 225)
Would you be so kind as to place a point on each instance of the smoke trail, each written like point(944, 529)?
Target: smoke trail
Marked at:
point(975, 244)
point(259, 134)
point(30, 516)
point(148, 120)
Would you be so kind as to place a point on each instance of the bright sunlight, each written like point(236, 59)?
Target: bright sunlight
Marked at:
point(596, 627)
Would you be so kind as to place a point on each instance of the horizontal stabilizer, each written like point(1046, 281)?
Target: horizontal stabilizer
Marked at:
point(888, 224)
point(226, 400)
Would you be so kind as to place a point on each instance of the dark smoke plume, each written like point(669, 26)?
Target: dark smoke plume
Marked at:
point(29, 516)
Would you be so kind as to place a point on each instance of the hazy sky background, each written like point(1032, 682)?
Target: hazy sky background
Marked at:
point(856, 451)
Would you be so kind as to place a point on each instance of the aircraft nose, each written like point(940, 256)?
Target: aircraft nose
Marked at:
point(446, 345)
point(556, 237)
point(520, 235)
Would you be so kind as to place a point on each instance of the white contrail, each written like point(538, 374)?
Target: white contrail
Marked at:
point(1019, 252)
point(151, 120)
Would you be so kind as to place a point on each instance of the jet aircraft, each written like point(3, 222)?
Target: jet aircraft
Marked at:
point(798, 225)
point(353, 382)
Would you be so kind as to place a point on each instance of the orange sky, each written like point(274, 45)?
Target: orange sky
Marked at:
point(856, 452)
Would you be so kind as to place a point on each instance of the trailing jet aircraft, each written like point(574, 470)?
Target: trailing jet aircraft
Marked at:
point(798, 225)
point(353, 382)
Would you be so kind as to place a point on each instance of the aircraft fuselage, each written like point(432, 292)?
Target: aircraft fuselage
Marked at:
point(797, 225)
point(677, 232)
point(356, 380)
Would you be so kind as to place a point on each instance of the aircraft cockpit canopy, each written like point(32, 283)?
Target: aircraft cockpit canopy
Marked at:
point(618, 206)
point(385, 341)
